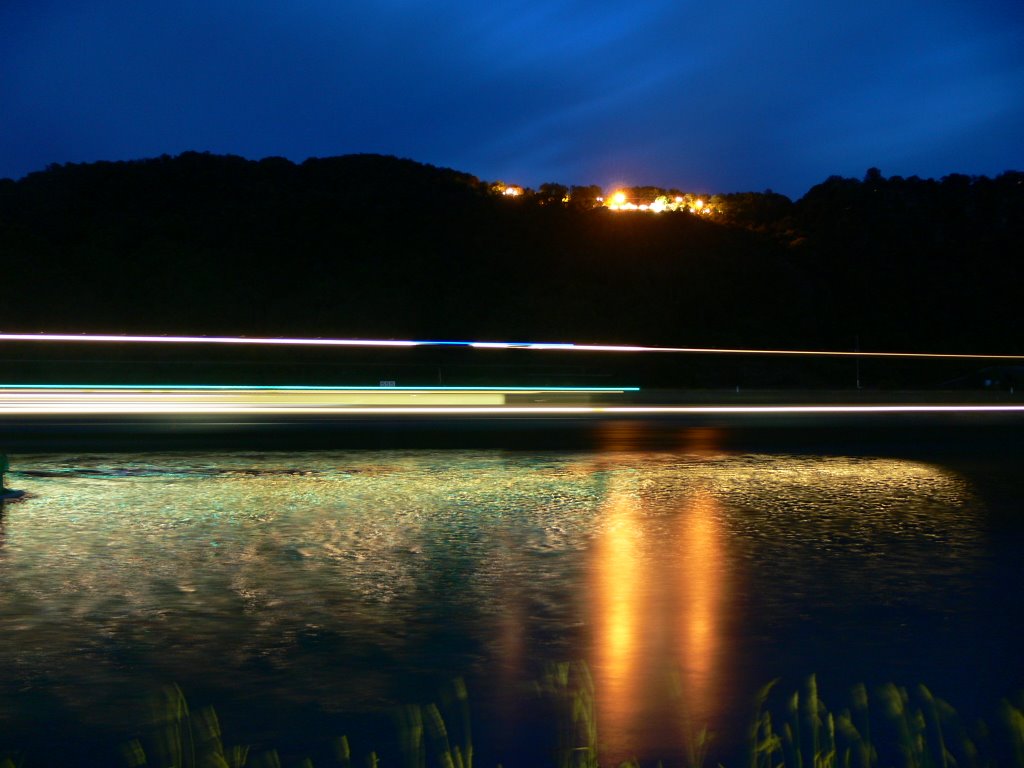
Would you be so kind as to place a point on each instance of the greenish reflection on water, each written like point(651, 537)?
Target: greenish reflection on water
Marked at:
point(351, 581)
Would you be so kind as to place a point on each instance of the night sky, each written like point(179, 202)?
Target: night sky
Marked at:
point(742, 95)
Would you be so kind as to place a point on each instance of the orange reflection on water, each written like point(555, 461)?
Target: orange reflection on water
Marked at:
point(619, 608)
point(703, 441)
point(634, 435)
point(625, 435)
point(657, 610)
point(701, 585)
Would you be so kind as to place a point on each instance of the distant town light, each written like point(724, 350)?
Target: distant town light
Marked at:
point(620, 202)
point(513, 191)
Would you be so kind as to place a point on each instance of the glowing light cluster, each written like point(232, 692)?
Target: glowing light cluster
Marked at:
point(619, 201)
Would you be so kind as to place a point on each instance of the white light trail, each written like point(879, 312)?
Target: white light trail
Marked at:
point(551, 346)
point(241, 340)
point(742, 351)
point(131, 407)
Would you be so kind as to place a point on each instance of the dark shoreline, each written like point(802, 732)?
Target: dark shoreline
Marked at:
point(965, 435)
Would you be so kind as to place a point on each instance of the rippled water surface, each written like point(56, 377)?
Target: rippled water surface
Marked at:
point(299, 592)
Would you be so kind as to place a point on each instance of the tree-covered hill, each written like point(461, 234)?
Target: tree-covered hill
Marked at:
point(374, 246)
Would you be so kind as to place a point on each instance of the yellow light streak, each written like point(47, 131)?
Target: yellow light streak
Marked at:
point(253, 398)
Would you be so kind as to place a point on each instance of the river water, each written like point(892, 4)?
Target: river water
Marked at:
point(309, 594)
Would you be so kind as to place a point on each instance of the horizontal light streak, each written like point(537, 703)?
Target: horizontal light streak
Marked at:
point(554, 346)
point(739, 351)
point(124, 399)
point(243, 340)
point(470, 410)
point(305, 388)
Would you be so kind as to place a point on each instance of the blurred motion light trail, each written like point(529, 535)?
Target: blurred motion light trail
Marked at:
point(563, 346)
point(113, 399)
point(464, 402)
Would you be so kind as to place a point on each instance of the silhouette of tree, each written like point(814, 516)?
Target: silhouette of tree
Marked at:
point(373, 245)
point(550, 193)
point(585, 196)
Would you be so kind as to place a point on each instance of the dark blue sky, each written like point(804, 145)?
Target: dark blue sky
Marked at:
point(742, 95)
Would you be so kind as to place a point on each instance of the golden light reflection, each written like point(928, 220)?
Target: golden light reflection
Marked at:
point(619, 608)
point(702, 441)
point(623, 435)
point(658, 607)
point(701, 588)
point(643, 435)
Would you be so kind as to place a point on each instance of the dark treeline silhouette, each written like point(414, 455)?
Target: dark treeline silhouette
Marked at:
point(375, 246)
